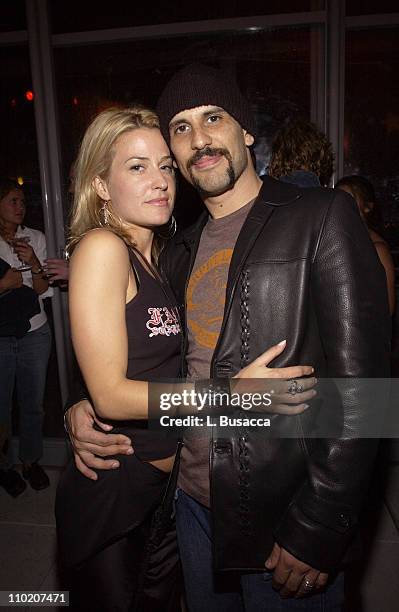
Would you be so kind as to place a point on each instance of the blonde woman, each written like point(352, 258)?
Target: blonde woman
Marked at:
point(125, 190)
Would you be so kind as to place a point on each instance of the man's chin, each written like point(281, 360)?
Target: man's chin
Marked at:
point(211, 190)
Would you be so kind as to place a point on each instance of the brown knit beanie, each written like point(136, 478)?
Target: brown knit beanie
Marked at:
point(199, 85)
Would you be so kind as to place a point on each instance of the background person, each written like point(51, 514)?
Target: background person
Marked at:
point(363, 192)
point(302, 155)
point(18, 303)
point(23, 361)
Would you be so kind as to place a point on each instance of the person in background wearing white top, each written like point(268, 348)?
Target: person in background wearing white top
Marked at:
point(23, 361)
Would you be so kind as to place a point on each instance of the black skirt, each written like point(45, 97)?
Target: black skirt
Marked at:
point(92, 514)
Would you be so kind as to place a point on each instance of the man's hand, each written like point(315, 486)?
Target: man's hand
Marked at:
point(292, 577)
point(89, 445)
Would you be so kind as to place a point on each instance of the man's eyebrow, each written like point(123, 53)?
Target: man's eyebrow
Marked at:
point(212, 111)
point(207, 113)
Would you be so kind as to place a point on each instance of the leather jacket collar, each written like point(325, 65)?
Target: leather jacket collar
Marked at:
point(272, 193)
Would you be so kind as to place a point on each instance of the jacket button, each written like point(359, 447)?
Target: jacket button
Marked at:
point(223, 447)
point(344, 520)
point(223, 368)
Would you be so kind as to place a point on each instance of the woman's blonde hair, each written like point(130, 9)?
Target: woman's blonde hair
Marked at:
point(94, 159)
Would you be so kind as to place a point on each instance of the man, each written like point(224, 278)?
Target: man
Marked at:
point(267, 261)
point(302, 155)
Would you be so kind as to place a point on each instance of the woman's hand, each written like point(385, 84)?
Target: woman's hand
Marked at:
point(258, 367)
point(57, 270)
point(292, 387)
point(26, 253)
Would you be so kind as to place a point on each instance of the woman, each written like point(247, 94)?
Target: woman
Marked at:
point(126, 332)
point(24, 359)
point(363, 192)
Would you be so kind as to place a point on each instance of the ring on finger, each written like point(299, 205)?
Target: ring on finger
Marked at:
point(295, 387)
point(308, 585)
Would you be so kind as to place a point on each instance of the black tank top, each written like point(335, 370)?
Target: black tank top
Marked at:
point(154, 345)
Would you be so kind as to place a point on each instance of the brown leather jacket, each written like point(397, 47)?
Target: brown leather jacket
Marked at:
point(303, 269)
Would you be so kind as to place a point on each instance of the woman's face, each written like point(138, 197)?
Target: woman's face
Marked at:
point(141, 182)
point(12, 207)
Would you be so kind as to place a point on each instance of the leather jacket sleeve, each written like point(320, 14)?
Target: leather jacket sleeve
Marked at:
point(350, 296)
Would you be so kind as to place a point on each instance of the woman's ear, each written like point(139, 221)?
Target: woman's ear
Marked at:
point(101, 188)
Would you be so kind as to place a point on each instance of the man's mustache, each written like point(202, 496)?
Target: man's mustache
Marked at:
point(207, 152)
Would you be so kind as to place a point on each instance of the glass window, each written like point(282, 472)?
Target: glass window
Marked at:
point(12, 15)
point(18, 143)
point(273, 69)
point(123, 14)
point(371, 143)
point(370, 7)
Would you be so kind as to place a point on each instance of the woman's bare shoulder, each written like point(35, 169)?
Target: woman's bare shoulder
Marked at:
point(101, 242)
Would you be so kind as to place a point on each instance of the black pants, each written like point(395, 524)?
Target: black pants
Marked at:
point(129, 576)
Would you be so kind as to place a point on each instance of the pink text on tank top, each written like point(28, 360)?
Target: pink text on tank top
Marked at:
point(164, 322)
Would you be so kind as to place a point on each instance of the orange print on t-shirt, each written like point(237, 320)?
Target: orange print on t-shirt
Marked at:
point(206, 294)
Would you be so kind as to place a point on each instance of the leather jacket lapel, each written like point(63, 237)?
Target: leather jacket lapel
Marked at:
point(272, 193)
point(257, 218)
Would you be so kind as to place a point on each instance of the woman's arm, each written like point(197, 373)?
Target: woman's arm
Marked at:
point(98, 287)
point(39, 281)
point(387, 261)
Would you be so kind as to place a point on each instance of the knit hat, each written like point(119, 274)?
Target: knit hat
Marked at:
point(199, 85)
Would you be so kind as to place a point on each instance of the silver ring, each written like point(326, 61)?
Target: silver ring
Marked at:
point(308, 585)
point(295, 387)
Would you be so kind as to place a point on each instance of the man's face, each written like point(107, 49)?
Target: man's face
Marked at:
point(210, 148)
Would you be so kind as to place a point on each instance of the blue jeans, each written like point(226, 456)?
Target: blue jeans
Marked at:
point(23, 365)
point(209, 592)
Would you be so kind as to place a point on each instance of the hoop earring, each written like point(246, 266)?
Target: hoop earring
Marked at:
point(105, 211)
point(170, 230)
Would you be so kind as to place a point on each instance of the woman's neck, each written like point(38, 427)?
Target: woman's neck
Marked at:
point(142, 239)
point(8, 230)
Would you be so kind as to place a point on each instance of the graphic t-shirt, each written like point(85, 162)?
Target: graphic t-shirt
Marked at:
point(206, 295)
